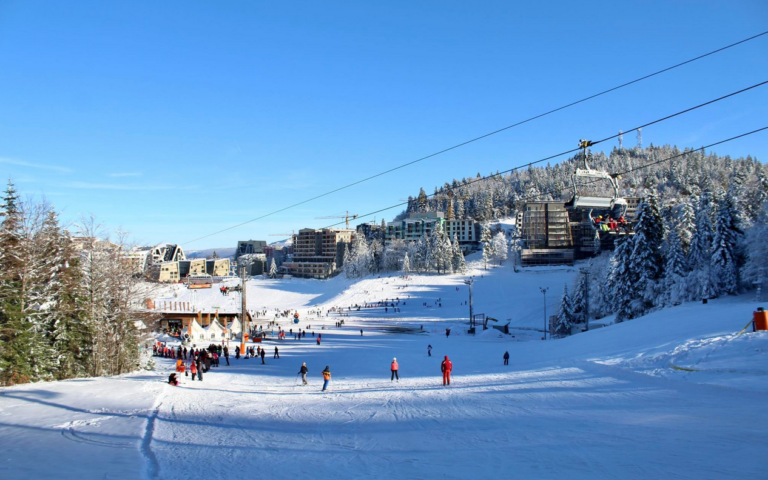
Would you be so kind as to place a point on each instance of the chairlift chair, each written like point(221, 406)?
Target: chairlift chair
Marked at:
point(616, 204)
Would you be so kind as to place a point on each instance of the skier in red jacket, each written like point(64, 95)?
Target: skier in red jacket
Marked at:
point(446, 367)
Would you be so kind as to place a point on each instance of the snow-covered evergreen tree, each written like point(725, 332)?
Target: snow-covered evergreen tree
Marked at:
point(500, 247)
point(700, 254)
point(578, 299)
point(646, 260)
point(486, 242)
point(756, 266)
point(676, 270)
point(565, 316)
point(272, 269)
point(406, 266)
point(725, 242)
point(623, 280)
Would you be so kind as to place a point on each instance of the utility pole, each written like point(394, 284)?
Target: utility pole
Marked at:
point(243, 313)
point(471, 318)
point(544, 291)
point(585, 272)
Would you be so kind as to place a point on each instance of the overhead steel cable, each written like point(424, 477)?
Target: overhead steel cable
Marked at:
point(485, 135)
point(550, 192)
point(550, 157)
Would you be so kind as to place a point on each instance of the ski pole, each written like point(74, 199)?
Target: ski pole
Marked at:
point(297, 379)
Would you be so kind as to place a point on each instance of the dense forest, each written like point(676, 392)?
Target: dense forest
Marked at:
point(65, 302)
point(700, 228)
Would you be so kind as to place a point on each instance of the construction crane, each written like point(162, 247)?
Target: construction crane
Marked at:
point(345, 217)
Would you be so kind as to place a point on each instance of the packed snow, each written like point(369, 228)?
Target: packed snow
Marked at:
point(674, 394)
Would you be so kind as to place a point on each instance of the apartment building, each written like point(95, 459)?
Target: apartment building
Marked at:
point(165, 272)
point(195, 266)
point(318, 253)
point(421, 224)
point(415, 226)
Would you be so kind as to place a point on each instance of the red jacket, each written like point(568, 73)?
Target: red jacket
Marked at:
point(446, 366)
point(394, 366)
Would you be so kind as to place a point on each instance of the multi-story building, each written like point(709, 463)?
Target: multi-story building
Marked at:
point(244, 247)
point(165, 272)
point(415, 226)
point(418, 225)
point(167, 252)
point(318, 253)
point(465, 231)
point(218, 267)
point(195, 266)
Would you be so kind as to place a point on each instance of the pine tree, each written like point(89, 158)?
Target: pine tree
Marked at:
point(724, 268)
point(500, 247)
point(686, 225)
point(15, 331)
point(622, 280)
point(700, 254)
point(579, 300)
point(348, 265)
point(272, 269)
point(756, 267)
point(676, 269)
point(646, 260)
point(565, 317)
point(486, 241)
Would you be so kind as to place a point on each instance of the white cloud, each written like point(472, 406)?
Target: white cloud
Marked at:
point(21, 163)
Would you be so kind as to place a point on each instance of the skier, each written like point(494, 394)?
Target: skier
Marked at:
point(429, 350)
point(447, 332)
point(237, 352)
point(226, 354)
point(173, 380)
point(277, 353)
point(446, 367)
point(303, 371)
point(326, 376)
point(394, 367)
point(263, 350)
point(361, 332)
point(506, 358)
point(199, 367)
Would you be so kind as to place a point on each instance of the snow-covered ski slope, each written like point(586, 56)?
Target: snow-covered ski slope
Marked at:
point(498, 292)
point(603, 404)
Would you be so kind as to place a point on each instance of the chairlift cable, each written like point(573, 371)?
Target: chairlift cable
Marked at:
point(475, 139)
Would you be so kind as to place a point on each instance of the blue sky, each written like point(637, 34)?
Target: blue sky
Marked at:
point(175, 119)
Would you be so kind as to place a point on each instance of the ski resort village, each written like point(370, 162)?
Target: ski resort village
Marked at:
point(412, 241)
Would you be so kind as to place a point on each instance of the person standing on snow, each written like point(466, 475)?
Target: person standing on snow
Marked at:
point(303, 371)
point(394, 367)
point(237, 352)
point(326, 377)
point(226, 354)
point(429, 350)
point(263, 352)
point(506, 358)
point(446, 367)
point(277, 353)
point(193, 370)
